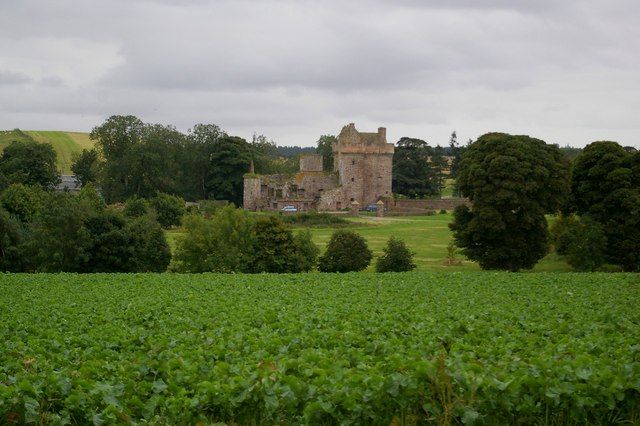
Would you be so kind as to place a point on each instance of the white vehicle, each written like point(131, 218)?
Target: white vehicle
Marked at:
point(289, 209)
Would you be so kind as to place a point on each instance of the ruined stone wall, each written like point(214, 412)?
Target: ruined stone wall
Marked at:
point(310, 163)
point(251, 193)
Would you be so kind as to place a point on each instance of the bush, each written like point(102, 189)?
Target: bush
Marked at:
point(274, 249)
point(347, 251)
point(559, 232)
point(313, 218)
point(90, 198)
point(443, 211)
point(586, 245)
point(136, 207)
point(306, 252)
point(169, 209)
point(221, 243)
point(151, 252)
point(396, 257)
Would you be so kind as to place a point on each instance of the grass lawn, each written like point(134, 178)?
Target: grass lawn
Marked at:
point(427, 236)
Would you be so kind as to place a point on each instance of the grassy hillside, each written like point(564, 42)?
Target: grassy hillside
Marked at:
point(65, 143)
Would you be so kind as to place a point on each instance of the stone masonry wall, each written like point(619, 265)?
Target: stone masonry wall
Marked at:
point(310, 163)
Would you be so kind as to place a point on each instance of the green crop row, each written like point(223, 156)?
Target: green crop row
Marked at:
point(409, 348)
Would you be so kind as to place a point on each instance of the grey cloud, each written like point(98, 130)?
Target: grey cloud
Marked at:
point(13, 78)
point(565, 71)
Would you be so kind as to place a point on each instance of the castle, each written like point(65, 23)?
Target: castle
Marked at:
point(361, 173)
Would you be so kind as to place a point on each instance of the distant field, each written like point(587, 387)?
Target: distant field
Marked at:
point(427, 236)
point(322, 349)
point(65, 143)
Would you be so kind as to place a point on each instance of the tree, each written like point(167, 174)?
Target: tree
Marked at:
point(230, 160)
point(169, 209)
point(413, 173)
point(325, 148)
point(151, 252)
point(86, 166)
point(115, 139)
point(274, 248)
point(396, 257)
point(586, 245)
point(60, 241)
point(606, 188)
point(29, 163)
point(221, 243)
point(22, 201)
point(13, 235)
point(346, 251)
point(513, 181)
point(196, 157)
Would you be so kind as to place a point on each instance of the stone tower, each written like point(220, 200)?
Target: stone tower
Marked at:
point(363, 162)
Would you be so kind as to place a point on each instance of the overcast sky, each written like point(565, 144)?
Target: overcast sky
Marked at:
point(566, 71)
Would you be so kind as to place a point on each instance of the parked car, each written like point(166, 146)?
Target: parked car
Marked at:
point(291, 209)
point(372, 208)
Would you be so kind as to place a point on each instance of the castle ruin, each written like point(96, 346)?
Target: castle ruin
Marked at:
point(361, 173)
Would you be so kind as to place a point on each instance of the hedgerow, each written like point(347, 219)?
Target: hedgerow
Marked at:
point(408, 348)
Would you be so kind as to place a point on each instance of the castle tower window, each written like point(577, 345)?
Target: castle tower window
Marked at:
point(351, 179)
point(353, 162)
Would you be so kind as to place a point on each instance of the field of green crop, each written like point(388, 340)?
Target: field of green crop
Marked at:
point(411, 348)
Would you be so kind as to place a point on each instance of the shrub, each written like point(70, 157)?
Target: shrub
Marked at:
point(306, 252)
point(136, 207)
point(347, 251)
point(586, 245)
point(313, 218)
point(221, 243)
point(396, 257)
point(151, 252)
point(443, 211)
point(169, 209)
point(559, 232)
point(90, 198)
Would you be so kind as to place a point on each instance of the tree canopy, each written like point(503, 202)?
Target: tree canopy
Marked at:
point(30, 163)
point(417, 168)
point(513, 181)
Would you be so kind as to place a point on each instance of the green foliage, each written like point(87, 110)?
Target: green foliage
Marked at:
point(396, 257)
point(325, 148)
point(559, 232)
point(90, 199)
point(136, 207)
point(13, 234)
point(586, 245)
point(60, 241)
point(421, 348)
point(76, 234)
point(22, 201)
point(221, 243)
point(169, 209)
point(606, 187)
point(417, 169)
point(306, 252)
point(274, 249)
point(29, 163)
point(513, 181)
point(347, 251)
point(230, 161)
point(86, 166)
point(315, 219)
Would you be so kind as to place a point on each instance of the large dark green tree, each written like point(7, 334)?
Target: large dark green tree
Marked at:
point(86, 166)
point(230, 161)
point(29, 163)
point(415, 173)
point(605, 187)
point(512, 181)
